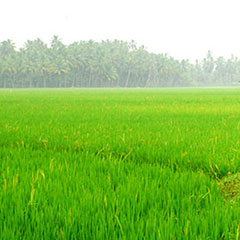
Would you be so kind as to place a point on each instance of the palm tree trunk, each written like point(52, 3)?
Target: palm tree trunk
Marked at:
point(60, 81)
point(128, 77)
point(90, 79)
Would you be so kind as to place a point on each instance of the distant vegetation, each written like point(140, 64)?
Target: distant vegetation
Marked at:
point(107, 64)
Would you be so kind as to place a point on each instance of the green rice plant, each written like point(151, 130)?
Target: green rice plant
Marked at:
point(119, 163)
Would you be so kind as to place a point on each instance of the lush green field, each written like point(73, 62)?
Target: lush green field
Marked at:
point(120, 163)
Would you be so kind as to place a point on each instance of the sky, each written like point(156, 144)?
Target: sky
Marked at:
point(184, 29)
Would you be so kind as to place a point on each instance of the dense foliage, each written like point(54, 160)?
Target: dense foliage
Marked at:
point(119, 163)
point(107, 64)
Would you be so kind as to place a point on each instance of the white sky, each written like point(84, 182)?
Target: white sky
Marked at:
point(181, 28)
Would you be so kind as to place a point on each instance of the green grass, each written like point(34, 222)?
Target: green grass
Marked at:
point(120, 164)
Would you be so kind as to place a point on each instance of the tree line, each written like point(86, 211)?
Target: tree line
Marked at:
point(107, 64)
